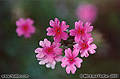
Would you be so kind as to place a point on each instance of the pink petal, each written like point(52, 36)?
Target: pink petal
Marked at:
point(64, 36)
point(68, 52)
point(58, 58)
point(73, 32)
point(57, 21)
point(38, 50)
point(78, 61)
point(20, 22)
point(72, 68)
point(59, 51)
point(84, 53)
point(87, 24)
point(57, 38)
point(56, 44)
point(78, 25)
point(89, 29)
point(68, 69)
point(29, 21)
point(40, 55)
point(52, 65)
point(90, 40)
point(52, 23)
point(91, 48)
point(45, 43)
point(19, 31)
point(75, 52)
point(51, 31)
point(88, 35)
point(76, 46)
point(64, 61)
point(64, 26)
point(77, 38)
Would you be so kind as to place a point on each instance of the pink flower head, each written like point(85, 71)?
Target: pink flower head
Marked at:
point(71, 60)
point(85, 46)
point(58, 30)
point(25, 27)
point(87, 12)
point(81, 32)
point(48, 53)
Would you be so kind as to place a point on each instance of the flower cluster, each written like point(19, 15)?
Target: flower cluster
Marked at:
point(63, 49)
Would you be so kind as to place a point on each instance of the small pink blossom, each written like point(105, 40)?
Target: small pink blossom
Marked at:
point(25, 27)
point(58, 30)
point(87, 12)
point(81, 32)
point(85, 46)
point(71, 60)
point(49, 54)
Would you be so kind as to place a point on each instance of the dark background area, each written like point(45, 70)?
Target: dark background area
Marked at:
point(17, 53)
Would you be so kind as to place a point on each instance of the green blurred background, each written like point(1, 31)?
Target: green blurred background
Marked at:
point(17, 53)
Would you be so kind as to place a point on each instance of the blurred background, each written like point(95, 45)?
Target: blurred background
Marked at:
point(17, 53)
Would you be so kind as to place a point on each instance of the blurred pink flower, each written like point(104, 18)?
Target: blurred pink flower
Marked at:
point(81, 32)
point(25, 27)
point(49, 54)
point(85, 46)
point(71, 60)
point(58, 30)
point(87, 12)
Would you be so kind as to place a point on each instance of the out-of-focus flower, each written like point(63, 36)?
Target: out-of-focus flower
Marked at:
point(58, 30)
point(81, 32)
point(48, 53)
point(84, 46)
point(71, 60)
point(25, 27)
point(87, 12)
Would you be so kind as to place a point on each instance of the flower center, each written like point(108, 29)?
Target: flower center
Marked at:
point(80, 31)
point(58, 31)
point(85, 46)
point(25, 27)
point(71, 60)
point(49, 50)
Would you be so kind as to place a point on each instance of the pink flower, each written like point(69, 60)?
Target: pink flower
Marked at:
point(25, 27)
point(87, 12)
point(85, 46)
point(71, 60)
point(48, 54)
point(81, 32)
point(58, 30)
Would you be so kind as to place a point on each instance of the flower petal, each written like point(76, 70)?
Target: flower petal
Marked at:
point(52, 23)
point(57, 21)
point(75, 52)
point(38, 50)
point(77, 37)
point(68, 69)
point(57, 38)
point(45, 43)
point(64, 36)
point(73, 32)
point(68, 52)
point(79, 25)
point(64, 61)
point(73, 69)
point(51, 31)
point(52, 65)
point(64, 26)
point(78, 62)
